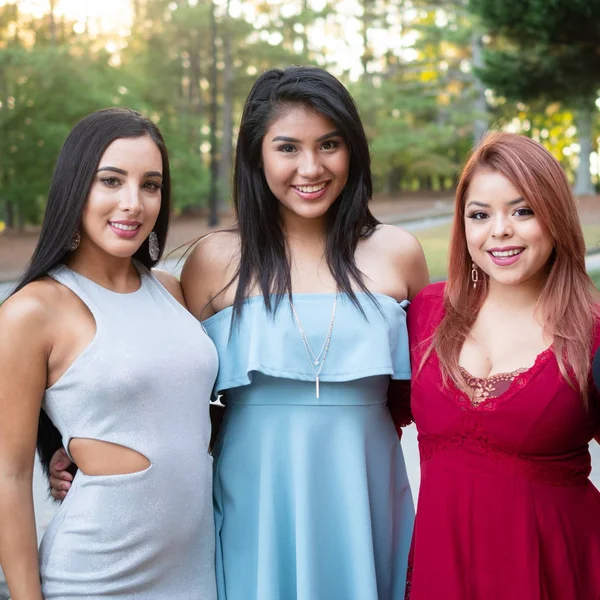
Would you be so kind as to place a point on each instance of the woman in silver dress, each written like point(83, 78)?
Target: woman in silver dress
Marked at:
point(99, 345)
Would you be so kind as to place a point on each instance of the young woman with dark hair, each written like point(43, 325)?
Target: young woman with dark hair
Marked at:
point(93, 341)
point(502, 394)
point(305, 300)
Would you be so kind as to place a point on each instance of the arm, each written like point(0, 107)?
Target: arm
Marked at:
point(410, 261)
point(208, 273)
point(23, 371)
point(415, 265)
point(171, 284)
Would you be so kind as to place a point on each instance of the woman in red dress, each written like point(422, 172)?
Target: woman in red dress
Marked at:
point(501, 394)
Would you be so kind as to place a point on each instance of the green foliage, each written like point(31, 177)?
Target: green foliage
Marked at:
point(416, 95)
point(553, 49)
point(46, 90)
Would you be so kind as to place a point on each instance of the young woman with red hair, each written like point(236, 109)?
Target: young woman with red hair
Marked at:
point(501, 392)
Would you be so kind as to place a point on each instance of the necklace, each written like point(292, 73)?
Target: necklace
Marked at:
point(318, 360)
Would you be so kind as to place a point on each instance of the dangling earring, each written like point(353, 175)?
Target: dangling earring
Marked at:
point(74, 243)
point(474, 275)
point(153, 247)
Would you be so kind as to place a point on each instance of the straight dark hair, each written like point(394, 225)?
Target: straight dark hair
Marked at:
point(264, 256)
point(69, 190)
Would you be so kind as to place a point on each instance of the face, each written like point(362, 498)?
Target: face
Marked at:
point(305, 162)
point(124, 201)
point(504, 237)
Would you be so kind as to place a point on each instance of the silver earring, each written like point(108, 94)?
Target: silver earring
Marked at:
point(153, 247)
point(474, 275)
point(74, 243)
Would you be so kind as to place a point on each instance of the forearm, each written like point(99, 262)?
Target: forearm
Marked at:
point(18, 539)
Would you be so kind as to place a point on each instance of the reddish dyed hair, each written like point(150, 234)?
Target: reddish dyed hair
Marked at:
point(568, 302)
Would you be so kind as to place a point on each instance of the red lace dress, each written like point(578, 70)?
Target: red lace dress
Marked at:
point(506, 510)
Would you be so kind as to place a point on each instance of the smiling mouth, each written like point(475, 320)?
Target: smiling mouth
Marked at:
point(311, 189)
point(506, 253)
point(124, 227)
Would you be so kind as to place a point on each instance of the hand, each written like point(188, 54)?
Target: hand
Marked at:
point(60, 478)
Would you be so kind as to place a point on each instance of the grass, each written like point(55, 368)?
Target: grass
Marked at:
point(435, 242)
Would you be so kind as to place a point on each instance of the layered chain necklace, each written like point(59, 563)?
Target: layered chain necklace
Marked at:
point(316, 361)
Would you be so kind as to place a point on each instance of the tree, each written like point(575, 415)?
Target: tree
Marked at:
point(45, 88)
point(547, 51)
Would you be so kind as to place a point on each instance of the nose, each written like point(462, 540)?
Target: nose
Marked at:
point(310, 166)
point(501, 227)
point(130, 201)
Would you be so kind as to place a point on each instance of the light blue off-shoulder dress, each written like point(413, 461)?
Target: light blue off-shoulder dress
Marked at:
point(312, 500)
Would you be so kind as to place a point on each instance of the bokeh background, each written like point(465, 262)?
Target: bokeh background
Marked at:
point(429, 77)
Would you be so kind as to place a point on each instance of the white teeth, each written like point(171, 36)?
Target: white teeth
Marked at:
point(124, 227)
point(307, 189)
point(506, 253)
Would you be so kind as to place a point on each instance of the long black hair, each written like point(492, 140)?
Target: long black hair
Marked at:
point(69, 190)
point(264, 258)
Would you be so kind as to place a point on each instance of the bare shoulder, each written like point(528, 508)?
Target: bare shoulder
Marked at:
point(171, 284)
point(214, 251)
point(397, 241)
point(210, 266)
point(28, 314)
point(406, 254)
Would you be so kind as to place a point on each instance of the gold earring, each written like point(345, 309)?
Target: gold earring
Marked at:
point(474, 274)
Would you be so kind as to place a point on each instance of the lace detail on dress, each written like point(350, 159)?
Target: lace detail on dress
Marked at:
point(489, 387)
point(471, 436)
point(497, 389)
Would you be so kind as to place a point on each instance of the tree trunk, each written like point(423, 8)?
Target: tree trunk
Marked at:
point(480, 124)
point(367, 21)
point(393, 180)
point(583, 182)
point(195, 94)
point(52, 22)
point(136, 11)
point(9, 219)
point(227, 138)
point(213, 202)
point(304, 35)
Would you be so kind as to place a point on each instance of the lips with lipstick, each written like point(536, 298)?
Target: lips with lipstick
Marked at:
point(125, 229)
point(504, 257)
point(311, 192)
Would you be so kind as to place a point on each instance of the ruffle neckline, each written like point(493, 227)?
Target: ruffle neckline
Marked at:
point(271, 344)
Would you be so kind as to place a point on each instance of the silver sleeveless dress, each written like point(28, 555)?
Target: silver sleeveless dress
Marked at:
point(144, 382)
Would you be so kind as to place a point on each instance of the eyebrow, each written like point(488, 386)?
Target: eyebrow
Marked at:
point(283, 138)
point(484, 205)
point(123, 172)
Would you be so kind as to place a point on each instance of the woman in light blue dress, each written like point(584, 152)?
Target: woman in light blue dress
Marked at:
point(305, 301)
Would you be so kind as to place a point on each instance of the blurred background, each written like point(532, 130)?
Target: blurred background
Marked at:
point(429, 77)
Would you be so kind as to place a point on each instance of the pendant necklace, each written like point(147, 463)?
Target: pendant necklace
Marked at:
point(316, 361)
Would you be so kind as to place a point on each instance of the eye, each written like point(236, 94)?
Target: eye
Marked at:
point(287, 148)
point(477, 215)
point(152, 186)
point(111, 181)
point(523, 212)
point(330, 145)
